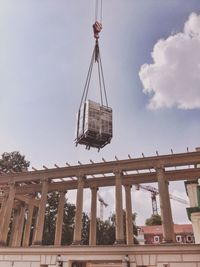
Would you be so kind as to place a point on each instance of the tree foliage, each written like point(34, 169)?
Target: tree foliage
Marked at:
point(68, 222)
point(50, 220)
point(112, 219)
point(85, 229)
point(155, 219)
point(105, 232)
point(105, 229)
point(13, 161)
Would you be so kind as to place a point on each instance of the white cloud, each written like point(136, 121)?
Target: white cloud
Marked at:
point(173, 80)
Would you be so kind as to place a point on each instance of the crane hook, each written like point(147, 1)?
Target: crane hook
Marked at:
point(97, 27)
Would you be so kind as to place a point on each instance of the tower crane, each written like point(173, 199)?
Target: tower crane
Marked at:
point(154, 192)
point(102, 205)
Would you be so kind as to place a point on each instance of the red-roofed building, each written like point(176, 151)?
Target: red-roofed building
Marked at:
point(154, 234)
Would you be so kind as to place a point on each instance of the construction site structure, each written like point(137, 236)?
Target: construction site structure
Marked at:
point(102, 205)
point(94, 119)
point(154, 192)
point(24, 197)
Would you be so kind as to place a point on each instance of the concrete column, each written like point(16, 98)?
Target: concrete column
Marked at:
point(93, 217)
point(7, 215)
point(35, 215)
point(2, 210)
point(59, 220)
point(193, 192)
point(129, 219)
point(41, 215)
point(27, 229)
point(15, 222)
point(119, 210)
point(79, 210)
point(165, 207)
point(17, 227)
point(21, 225)
point(195, 219)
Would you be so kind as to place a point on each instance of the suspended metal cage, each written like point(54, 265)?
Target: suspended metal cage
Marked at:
point(94, 120)
point(94, 125)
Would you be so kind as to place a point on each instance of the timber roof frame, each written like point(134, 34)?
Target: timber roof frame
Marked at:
point(183, 160)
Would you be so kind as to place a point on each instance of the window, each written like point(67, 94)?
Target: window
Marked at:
point(179, 238)
point(78, 264)
point(156, 239)
point(189, 238)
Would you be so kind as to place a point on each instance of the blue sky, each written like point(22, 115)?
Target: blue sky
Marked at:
point(45, 51)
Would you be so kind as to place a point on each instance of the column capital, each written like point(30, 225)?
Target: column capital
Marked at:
point(22, 204)
point(62, 191)
point(191, 182)
point(44, 180)
point(26, 205)
point(81, 177)
point(118, 173)
point(127, 186)
point(81, 180)
point(94, 188)
point(11, 183)
point(159, 168)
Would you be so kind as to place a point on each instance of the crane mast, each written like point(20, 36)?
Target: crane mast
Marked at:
point(154, 192)
point(102, 205)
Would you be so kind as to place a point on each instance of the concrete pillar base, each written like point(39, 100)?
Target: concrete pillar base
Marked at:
point(3, 244)
point(195, 218)
point(76, 243)
point(37, 243)
point(119, 242)
point(168, 241)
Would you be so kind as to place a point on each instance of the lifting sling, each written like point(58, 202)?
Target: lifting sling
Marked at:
point(94, 120)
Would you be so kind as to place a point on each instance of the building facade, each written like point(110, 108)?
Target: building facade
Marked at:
point(154, 234)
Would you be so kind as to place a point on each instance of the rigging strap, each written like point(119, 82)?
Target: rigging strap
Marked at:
point(96, 58)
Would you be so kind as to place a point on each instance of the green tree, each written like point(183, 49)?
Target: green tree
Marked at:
point(105, 232)
point(50, 220)
point(13, 161)
point(155, 219)
point(85, 229)
point(106, 229)
point(68, 223)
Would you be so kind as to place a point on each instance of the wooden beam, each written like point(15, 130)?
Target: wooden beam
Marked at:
point(28, 200)
point(130, 179)
point(183, 159)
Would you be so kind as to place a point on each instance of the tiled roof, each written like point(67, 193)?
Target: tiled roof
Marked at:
point(157, 229)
